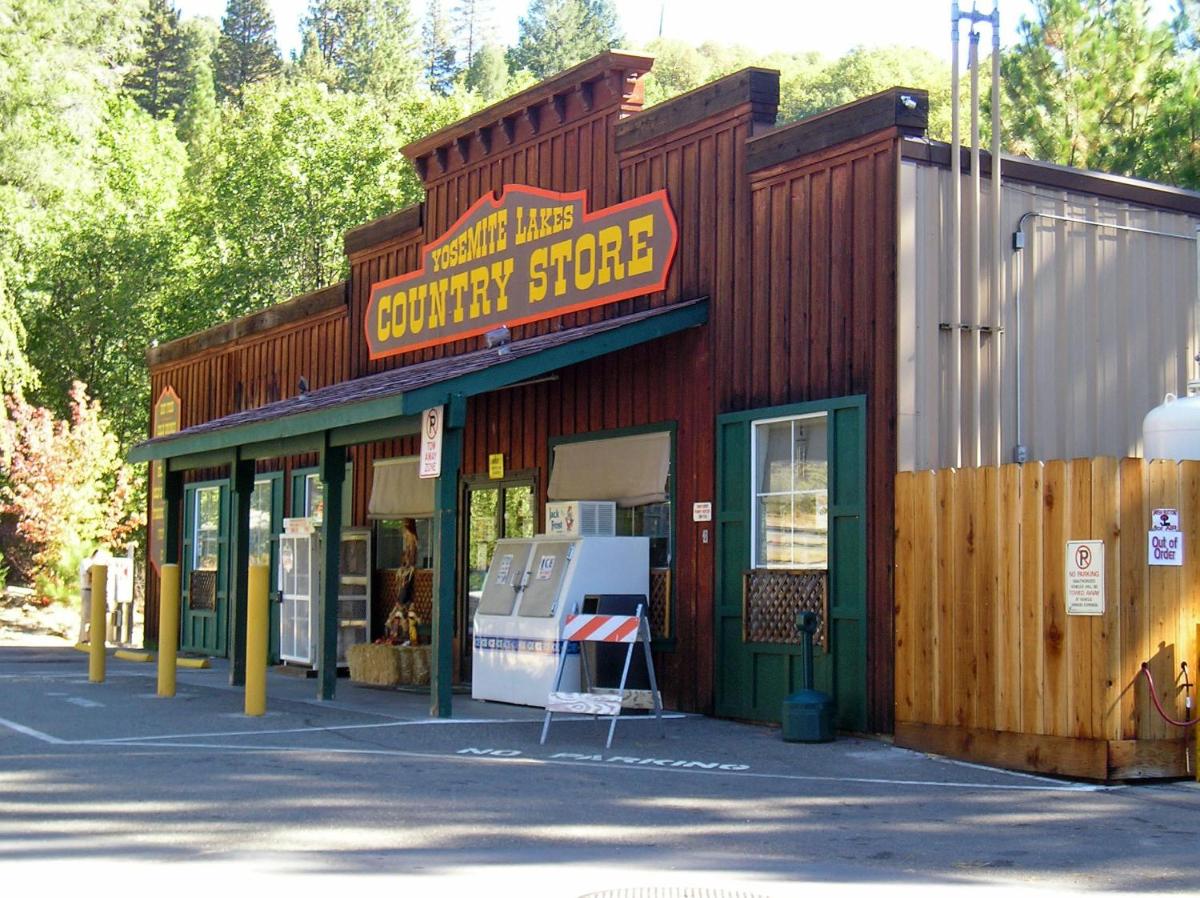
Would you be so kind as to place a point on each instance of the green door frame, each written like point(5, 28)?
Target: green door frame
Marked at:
point(751, 679)
point(214, 624)
point(275, 478)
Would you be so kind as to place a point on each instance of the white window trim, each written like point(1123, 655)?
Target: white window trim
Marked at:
point(755, 494)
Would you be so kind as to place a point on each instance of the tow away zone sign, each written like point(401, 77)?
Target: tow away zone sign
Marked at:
point(1085, 577)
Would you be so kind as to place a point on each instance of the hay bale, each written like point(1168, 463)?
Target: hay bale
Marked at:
point(376, 665)
point(418, 664)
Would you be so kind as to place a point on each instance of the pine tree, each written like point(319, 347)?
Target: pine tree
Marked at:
point(362, 45)
point(158, 78)
point(488, 73)
point(474, 28)
point(440, 63)
point(247, 52)
point(556, 34)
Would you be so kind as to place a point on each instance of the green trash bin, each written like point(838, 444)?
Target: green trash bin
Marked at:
point(807, 714)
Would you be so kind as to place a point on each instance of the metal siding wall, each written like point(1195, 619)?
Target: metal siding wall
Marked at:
point(1109, 325)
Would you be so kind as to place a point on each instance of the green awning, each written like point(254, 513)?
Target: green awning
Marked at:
point(389, 404)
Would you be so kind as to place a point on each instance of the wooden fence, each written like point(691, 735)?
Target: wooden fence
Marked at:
point(989, 666)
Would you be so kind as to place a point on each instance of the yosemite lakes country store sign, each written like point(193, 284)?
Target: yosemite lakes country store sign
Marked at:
point(529, 255)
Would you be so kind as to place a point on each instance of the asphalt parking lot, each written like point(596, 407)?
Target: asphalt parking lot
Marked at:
point(110, 778)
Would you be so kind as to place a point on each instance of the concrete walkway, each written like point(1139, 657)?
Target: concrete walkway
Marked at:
point(109, 777)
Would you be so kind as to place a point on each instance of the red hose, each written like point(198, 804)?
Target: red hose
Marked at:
point(1162, 713)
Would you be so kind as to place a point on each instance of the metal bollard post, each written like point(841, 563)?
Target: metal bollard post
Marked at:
point(96, 659)
point(257, 616)
point(168, 628)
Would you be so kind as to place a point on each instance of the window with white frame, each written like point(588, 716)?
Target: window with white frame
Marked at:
point(207, 529)
point(791, 492)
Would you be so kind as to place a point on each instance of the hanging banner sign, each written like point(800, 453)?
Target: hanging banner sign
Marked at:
point(164, 421)
point(529, 255)
point(431, 443)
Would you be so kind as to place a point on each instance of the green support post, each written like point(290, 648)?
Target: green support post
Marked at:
point(333, 474)
point(239, 542)
point(445, 552)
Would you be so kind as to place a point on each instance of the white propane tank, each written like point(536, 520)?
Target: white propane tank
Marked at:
point(1172, 430)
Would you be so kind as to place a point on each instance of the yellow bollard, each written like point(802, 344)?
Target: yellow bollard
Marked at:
point(168, 628)
point(256, 641)
point(98, 629)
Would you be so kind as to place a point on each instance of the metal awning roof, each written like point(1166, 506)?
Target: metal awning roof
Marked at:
point(380, 406)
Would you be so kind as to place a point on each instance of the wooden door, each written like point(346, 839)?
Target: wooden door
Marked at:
point(204, 608)
point(759, 589)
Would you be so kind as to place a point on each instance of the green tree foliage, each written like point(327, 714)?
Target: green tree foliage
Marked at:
point(247, 53)
point(487, 76)
point(63, 483)
point(200, 39)
point(361, 45)
point(94, 303)
point(474, 28)
point(438, 51)
point(1084, 82)
point(554, 35)
point(158, 77)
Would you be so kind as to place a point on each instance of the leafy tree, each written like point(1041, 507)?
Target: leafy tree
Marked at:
point(157, 79)
point(440, 57)
point(93, 304)
point(1084, 81)
point(247, 53)
point(196, 119)
point(554, 35)
point(474, 28)
point(64, 482)
point(487, 75)
point(361, 45)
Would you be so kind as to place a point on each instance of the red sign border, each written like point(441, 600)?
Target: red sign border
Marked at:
point(496, 202)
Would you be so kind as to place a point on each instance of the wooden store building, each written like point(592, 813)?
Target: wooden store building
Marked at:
point(737, 331)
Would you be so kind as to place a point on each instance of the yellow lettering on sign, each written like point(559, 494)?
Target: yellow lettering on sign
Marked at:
point(399, 314)
point(611, 267)
point(416, 308)
point(537, 274)
point(585, 261)
point(383, 324)
point(641, 254)
point(501, 272)
point(559, 254)
point(437, 302)
point(458, 286)
point(479, 297)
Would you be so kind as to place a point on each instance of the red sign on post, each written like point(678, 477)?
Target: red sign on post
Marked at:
point(528, 255)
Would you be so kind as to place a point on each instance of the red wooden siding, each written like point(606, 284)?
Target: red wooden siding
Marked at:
point(821, 316)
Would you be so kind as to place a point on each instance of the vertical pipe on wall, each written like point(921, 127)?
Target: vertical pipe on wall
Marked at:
point(997, 245)
point(976, 306)
point(955, 318)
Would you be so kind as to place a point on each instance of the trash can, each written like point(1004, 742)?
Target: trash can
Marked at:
point(807, 714)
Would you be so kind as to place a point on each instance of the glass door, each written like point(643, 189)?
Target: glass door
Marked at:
point(495, 509)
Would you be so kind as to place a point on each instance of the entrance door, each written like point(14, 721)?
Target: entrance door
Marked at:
point(494, 509)
point(205, 588)
point(791, 529)
point(298, 582)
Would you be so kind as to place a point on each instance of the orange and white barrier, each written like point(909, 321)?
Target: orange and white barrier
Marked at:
point(601, 628)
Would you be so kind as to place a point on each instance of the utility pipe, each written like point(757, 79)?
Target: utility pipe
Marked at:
point(997, 240)
point(975, 306)
point(955, 248)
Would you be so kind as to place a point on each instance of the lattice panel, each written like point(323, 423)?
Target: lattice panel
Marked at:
point(423, 594)
point(659, 611)
point(202, 591)
point(771, 599)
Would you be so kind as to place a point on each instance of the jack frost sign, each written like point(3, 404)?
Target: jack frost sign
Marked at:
point(1085, 577)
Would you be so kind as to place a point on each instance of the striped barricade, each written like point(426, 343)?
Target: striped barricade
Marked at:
point(629, 629)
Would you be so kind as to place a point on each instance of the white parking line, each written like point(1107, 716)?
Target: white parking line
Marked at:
point(526, 760)
point(29, 731)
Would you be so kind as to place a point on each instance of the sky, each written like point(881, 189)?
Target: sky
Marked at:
point(763, 25)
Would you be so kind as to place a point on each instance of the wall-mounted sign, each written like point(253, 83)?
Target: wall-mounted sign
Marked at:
point(701, 511)
point(431, 443)
point(528, 255)
point(1085, 577)
point(1165, 548)
point(496, 466)
point(165, 421)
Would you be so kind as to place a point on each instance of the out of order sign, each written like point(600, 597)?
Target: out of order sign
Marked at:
point(1085, 577)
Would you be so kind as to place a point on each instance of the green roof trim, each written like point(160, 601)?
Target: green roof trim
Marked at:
point(389, 404)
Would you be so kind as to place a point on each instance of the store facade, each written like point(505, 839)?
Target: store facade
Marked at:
point(685, 310)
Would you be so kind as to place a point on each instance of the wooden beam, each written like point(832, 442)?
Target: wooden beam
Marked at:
point(900, 108)
point(587, 95)
point(485, 139)
point(463, 145)
point(559, 102)
point(1057, 755)
point(239, 544)
point(442, 157)
point(445, 554)
point(421, 164)
point(333, 474)
point(383, 230)
point(533, 115)
point(508, 125)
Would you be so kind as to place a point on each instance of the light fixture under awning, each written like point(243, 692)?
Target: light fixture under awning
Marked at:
point(631, 470)
point(398, 492)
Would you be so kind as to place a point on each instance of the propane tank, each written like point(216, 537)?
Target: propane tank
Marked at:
point(1172, 430)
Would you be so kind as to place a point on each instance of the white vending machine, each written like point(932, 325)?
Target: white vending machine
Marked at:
point(301, 562)
point(532, 585)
